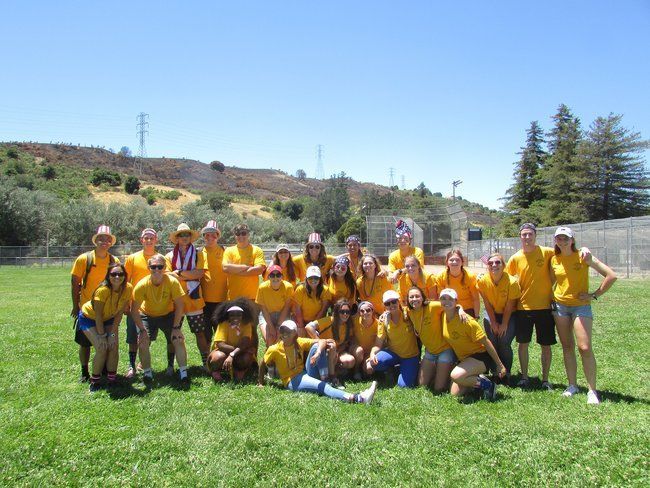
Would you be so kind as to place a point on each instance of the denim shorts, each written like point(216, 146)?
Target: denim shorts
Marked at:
point(85, 323)
point(446, 356)
point(573, 312)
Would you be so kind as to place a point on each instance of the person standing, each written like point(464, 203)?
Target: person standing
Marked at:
point(214, 284)
point(396, 265)
point(88, 271)
point(314, 254)
point(243, 263)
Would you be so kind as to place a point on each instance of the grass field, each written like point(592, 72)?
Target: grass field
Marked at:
point(53, 432)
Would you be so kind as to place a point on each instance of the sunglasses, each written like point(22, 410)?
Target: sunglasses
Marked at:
point(313, 278)
point(344, 312)
point(394, 301)
point(156, 266)
point(495, 263)
point(313, 246)
point(411, 266)
point(184, 234)
point(241, 233)
point(275, 275)
point(365, 310)
point(116, 275)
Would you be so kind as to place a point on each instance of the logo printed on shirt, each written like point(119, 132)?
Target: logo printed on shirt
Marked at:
point(540, 262)
point(577, 266)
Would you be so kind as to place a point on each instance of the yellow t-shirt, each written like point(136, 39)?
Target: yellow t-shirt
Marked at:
point(285, 273)
point(243, 286)
point(274, 300)
point(428, 326)
point(95, 277)
point(396, 258)
point(157, 301)
point(373, 291)
point(325, 329)
point(399, 338)
point(113, 303)
point(214, 283)
point(533, 272)
point(365, 336)
point(231, 335)
point(339, 290)
point(191, 304)
point(428, 285)
point(310, 305)
point(136, 266)
point(463, 289)
point(288, 363)
point(571, 279)
point(463, 338)
point(498, 295)
point(301, 266)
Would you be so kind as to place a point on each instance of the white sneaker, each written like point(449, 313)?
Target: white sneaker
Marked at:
point(366, 396)
point(570, 391)
point(592, 398)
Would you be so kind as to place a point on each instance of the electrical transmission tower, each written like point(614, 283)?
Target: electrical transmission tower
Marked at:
point(320, 172)
point(403, 183)
point(142, 132)
point(391, 177)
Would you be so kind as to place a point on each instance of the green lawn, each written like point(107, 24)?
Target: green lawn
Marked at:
point(53, 432)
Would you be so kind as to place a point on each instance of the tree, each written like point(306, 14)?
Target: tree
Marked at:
point(300, 174)
point(125, 152)
point(101, 175)
point(422, 191)
point(330, 209)
point(21, 212)
point(216, 200)
point(617, 181)
point(131, 185)
point(292, 209)
point(217, 166)
point(354, 225)
point(527, 187)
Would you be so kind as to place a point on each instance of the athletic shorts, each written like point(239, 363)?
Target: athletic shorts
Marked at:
point(544, 325)
point(131, 331)
point(164, 323)
point(196, 323)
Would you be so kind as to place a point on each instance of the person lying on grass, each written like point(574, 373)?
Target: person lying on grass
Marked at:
point(99, 320)
point(473, 349)
point(288, 357)
point(235, 341)
point(339, 327)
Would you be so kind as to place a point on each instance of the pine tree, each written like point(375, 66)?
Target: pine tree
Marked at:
point(527, 187)
point(618, 184)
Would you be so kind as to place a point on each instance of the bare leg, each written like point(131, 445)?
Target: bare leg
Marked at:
point(565, 333)
point(465, 375)
point(441, 382)
point(427, 372)
point(523, 359)
point(582, 327)
point(547, 355)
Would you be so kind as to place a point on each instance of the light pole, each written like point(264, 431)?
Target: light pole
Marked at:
point(454, 184)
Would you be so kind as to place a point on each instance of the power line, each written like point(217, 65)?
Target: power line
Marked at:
point(455, 183)
point(320, 172)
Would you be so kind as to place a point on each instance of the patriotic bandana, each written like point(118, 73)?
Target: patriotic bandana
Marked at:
point(402, 228)
point(187, 264)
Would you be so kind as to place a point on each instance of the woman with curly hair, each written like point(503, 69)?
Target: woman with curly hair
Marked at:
point(234, 346)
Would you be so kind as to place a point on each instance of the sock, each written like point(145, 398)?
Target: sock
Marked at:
point(148, 372)
point(204, 358)
point(182, 371)
point(95, 379)
point(112, 376)
point(132, 356)
point(170, 359)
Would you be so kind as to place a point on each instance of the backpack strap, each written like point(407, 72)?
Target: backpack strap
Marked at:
point(90, 262)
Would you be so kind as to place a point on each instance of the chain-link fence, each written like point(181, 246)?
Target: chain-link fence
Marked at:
point(622, 244)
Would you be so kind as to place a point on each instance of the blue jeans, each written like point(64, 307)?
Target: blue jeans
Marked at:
point(408, 367)
point(503, 344)
point(304, 382)
point(320, 369)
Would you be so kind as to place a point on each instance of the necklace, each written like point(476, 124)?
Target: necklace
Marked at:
point(372, 286)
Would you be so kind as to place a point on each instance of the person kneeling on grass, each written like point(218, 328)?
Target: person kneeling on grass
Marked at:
point(288, 357)
point(234, 346)
point(473, 349)
point(99, 320)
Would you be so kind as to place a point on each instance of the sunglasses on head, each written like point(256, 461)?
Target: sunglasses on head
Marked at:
point(391, 302)
point(313, 246)
point(157, 266)
point(275, 275)
point(116, 275)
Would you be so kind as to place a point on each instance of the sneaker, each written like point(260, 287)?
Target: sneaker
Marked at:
point(84, 378)
point(169, 371)
point(592, 398)
point(147, 377)
point(182, 374)
point(489, 387)
point(130, 374)
point(570, 391)
point(523, 383)
point(366, 396)
point(547, 386)
point(94, 387)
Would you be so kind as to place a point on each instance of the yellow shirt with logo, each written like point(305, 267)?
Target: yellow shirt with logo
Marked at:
point(157, 301)
point(97, 274)
point(339, 289)
point(274, 300)
point(291, 362)
point(191, 304)
point(365, 336)
point(231, 335)
point(571, 278)
point(498, 295)
point(114, 302)
point(325, 329)
point(426, 284)
point(136, 266)
point(396, 258)
point(464, 287)
point(214, 283)
point(310, 305)
point(243, 286)
point(301, 266)
point(533, 272)
point(399, 338)
point(373, 291)
point(463, 338)
point(427, 322)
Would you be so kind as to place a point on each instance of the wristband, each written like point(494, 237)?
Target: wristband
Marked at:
point(232, 354)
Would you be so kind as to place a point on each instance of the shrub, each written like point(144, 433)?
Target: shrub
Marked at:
point(171, 195)
point(48, 172)
point(216, 200)
point(151, 198)
point(131, 185)
point(101, 175)
point(218, 166)
point(12, 153)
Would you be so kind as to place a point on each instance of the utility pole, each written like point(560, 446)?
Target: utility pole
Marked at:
point(403, 183)
point(142, 132)
point(320, 172)
point(455, 184)
point(391, 177)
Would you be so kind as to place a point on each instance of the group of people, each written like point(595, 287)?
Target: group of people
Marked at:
point(325, 319)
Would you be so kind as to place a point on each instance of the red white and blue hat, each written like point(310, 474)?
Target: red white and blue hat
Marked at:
point(104, 230)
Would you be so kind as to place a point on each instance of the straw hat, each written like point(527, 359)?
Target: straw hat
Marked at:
point(183, 228)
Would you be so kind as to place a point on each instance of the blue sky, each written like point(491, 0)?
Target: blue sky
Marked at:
point(437, 91)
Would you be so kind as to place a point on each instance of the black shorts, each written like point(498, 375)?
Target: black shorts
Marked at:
point(486, 359)
point(544, 326)
point(208, 311)
point(196, 323)
point(79, 337)
point(164, 323)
